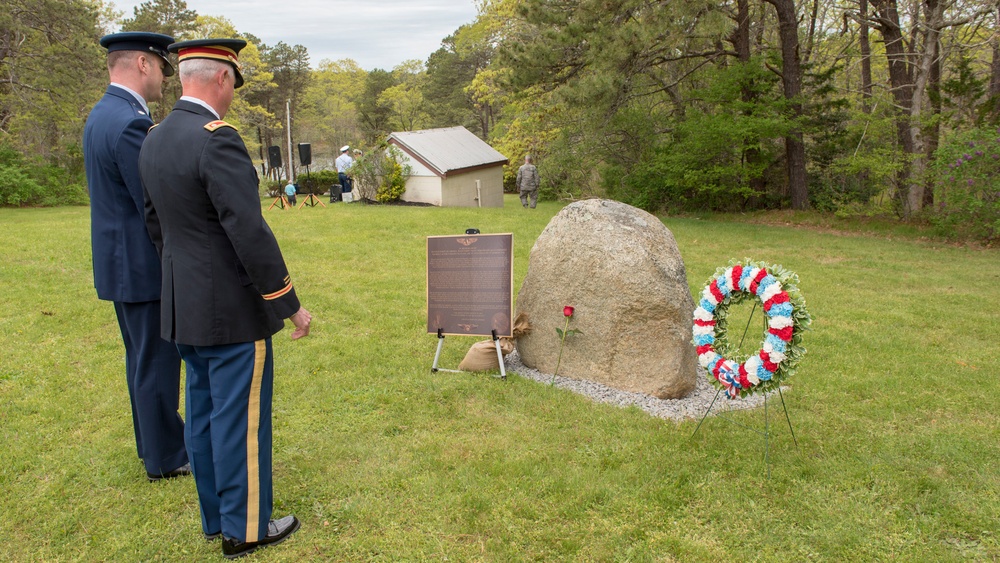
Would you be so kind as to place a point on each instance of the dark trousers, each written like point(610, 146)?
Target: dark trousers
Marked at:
point(152, 369)
point(345, 182)
point(228, 435)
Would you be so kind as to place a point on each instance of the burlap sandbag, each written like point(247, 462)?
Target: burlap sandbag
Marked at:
point(482, 356)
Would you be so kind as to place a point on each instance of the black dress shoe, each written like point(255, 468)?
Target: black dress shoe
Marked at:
point(211, 537)
point(277, 532)
point(179, 472)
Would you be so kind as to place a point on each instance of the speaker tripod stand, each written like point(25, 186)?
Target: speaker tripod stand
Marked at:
point(311, 200)
point(281, 202)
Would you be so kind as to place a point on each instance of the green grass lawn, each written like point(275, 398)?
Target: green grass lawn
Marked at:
point(894, 408)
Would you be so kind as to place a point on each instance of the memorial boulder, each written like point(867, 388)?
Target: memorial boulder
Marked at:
point(619, 267)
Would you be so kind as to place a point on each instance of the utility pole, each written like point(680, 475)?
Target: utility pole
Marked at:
point(288, 129)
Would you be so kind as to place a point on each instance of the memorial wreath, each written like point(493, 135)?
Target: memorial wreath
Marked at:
point(786, 317)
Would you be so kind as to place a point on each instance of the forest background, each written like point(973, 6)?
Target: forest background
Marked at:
point(854, 108)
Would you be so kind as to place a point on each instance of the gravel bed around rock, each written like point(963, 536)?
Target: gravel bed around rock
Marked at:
point(691, 407)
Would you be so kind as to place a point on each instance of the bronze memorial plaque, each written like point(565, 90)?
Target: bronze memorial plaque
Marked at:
point(469, 284)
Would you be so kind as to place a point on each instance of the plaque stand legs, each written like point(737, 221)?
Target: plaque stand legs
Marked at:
point(437, 355)
point(496, 344)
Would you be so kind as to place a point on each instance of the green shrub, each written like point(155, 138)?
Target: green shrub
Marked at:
point(60, 186)
point(317, 182)
point(967, 185)
point(76, 194)
point(9, 156)
point(393, 184)
point(17, 188)
point(853, 182)
point(274, 188)
point(379, 176)
point(24, 183)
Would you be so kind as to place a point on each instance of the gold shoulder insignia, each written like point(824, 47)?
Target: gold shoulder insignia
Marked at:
point(213, 125)
point(151, 127)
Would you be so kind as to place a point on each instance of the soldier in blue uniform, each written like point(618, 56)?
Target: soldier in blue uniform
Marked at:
point(126, 267)
point(226, 291)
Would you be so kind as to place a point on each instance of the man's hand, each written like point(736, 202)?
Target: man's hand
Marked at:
point(301, 319)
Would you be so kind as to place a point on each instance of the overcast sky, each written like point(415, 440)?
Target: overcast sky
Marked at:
point(376, 34)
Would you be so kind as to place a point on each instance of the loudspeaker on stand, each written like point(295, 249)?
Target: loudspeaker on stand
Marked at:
point(274, 156)
point(305, 154)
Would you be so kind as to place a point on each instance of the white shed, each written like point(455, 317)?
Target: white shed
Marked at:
point(451, 167)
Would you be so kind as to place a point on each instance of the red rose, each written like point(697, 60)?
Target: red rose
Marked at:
point(567, 311)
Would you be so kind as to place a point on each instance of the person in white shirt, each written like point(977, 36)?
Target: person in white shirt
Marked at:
point(344, 163)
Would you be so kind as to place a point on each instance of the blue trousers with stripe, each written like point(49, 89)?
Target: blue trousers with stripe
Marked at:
point(228, 435)
point(153, 371)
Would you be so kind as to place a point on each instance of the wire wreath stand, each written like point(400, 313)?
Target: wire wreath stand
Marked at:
point(767, 429)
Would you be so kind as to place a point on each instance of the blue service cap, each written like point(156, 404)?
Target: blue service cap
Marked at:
point(141, 41)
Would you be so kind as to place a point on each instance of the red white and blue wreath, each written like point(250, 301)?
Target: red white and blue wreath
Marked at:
point(777, 290)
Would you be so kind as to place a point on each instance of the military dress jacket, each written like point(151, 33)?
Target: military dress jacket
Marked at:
point(126, 265)
point(224, 278)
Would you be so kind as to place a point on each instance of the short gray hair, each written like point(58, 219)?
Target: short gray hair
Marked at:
point(201, 69)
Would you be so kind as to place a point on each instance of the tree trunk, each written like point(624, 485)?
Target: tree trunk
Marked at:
point(866, 59)
point(810, 38)
point(933, 132)
point(901, 87)
point(866, 71)
point(741, 42)
point(910, 75)
point(934, 22)
point(791, 79)
point(741, 35)
point(995, 68)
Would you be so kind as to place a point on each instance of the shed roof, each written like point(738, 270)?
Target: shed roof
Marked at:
point(448, 150)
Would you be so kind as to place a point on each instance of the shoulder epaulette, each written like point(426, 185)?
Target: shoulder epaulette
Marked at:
point(213, 125)
point(151, 127)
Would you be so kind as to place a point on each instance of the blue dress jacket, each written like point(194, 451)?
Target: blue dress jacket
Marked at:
point(126, 264)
